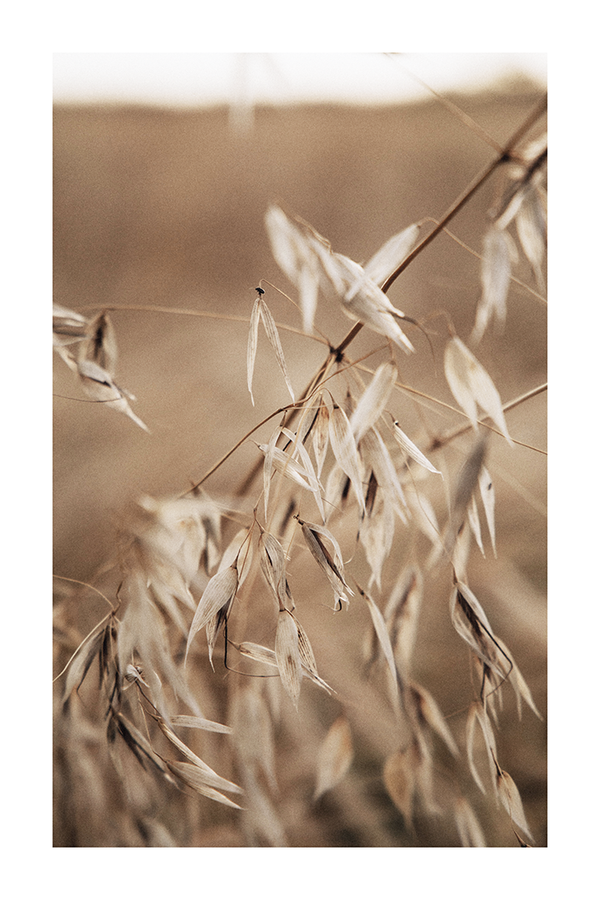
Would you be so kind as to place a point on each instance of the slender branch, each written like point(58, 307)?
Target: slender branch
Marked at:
point(470, 190)
point(438, 442)
point(205, 314)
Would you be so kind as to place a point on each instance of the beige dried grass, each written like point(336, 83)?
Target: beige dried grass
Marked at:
point(193, 564)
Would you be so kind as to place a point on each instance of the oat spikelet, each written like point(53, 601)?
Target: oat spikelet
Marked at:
point(320, 436)
point(332, 566)
point(272, 564)
point(96, 359)
point(499, 254)
point(260, 311)
point(252, 344)
point(412, 450)
point(99, 385)
point(294, 252)
point(488, 498)
point(218, 594)
point(429, 712)
point(386, 646)
point(202, 724)
point(510, 798)
point(335, 756)
point(374, 399)
point(302, 475)
point(266, 656)
point(471, 623)
point(392, 253)
point(362, 300)
point(469, 829)
point(195, 779)
point(400, 782)
point(472, 386)
point(531, 228)
point(478, 716)
point(68, 327)
point(345, 451)
point(287, 655)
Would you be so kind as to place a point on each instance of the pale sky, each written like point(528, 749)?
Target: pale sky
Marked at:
point(206, 78)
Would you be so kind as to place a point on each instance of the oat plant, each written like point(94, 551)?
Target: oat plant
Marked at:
point(221, 697)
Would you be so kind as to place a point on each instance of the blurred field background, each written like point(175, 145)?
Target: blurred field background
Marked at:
point(166, 208)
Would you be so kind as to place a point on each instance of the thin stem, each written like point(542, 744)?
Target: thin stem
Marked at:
point(454, 109)
point(512, 404)
point(466, 195)
point(204, 314)
point(474, 253)
point(88, 585)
